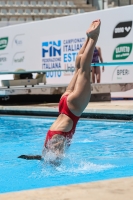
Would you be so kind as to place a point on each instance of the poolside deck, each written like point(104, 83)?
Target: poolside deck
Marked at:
point(117, 189)
point(110, 110)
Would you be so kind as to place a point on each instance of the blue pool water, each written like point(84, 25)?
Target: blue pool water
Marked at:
point(100, 150)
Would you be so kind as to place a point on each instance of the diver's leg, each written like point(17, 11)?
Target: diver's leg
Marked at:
point(79, 98)
point(71, 85)
point(81, 51)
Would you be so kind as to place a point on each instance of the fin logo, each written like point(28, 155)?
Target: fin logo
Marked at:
point(51, 49)
point(122, 29)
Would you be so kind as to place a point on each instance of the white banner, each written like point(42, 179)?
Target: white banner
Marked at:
point(54, 44)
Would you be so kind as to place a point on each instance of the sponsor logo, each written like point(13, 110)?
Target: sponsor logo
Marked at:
point(70, 69)
point(71, 48)
point(51, 49)
point(3, 58)
point(122, 51)
point(3, 43)
point(122, 29)
point(18, 58)
point(51, 58)
point(121, 73)
point(54, 74)
point(60, 54)
point(18, 40)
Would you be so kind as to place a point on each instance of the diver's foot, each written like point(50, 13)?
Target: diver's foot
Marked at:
point(94, 29)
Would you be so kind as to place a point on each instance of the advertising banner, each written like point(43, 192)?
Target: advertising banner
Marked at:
point(53, 45)
point(60, 54)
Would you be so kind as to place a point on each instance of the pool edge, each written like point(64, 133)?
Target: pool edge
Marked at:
point(125, 114)
point(119, 189)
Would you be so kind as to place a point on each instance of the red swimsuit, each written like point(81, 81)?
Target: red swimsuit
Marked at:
point(63, 109)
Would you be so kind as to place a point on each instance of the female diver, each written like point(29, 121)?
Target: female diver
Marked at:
point(73, 101)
